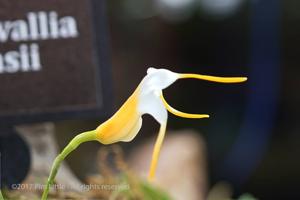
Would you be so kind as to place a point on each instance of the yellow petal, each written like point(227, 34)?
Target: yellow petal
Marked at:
point(123, 125)
point(181, 114)
point(133, 132)
point(214, 78)
point(156, 151)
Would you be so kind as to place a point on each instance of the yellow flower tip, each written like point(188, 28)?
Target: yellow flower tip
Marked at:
point(192, 116)
point(151, 176)
point(205, 116)
point(244, 79)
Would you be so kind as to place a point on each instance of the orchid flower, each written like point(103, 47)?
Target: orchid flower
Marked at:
point(125, 124)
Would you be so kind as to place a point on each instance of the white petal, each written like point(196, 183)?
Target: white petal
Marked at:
point(158, 79)
point(150, 103)
point(150, 89)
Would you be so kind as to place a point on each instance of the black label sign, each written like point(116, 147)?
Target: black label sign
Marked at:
point(53, 60)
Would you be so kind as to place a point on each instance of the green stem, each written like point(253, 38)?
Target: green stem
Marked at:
point(75, 142)
point(1, 196)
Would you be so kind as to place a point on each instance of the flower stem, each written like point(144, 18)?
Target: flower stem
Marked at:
point(75, 142)
point(1, 196)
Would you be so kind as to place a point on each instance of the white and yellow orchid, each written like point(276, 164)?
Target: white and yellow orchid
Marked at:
point(124, 125)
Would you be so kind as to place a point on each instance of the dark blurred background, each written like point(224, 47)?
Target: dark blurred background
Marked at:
point(253, 133)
